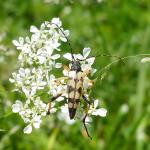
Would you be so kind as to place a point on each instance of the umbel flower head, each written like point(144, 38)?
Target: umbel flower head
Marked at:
point(39, 56)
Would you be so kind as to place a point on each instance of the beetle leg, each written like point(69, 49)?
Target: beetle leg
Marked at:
point(84, 123)
point(49, 104)
point(86, 114)
point(86, 99)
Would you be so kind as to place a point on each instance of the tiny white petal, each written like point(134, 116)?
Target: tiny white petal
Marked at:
point(11, 80)
point(64, 108)
point(43, 25)
point(79, 56)
point(66, 32)
point(16, 43)
point(90, 60)
point(17, 106)
point(96, 103)
point(21, 40)
point(86, 52)
point(93, 71)
point(56, 21)
point(60, 99)
point(36, 125)
point(53, 110)
point(101, 112)
point(42, 59)
point(58, 65)
point(34, 29)
point(88, 119)
point(146, 59)
point(63, 39)
point(68, 56)
point(65, 72)
point(28, 129)
point(56, 56)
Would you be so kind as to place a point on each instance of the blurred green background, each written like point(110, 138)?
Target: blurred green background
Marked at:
point(118, 27)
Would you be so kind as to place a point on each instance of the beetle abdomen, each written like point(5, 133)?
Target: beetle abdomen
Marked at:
point(74, 94)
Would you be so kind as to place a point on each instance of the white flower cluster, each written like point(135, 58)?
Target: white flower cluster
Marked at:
point(38, 58)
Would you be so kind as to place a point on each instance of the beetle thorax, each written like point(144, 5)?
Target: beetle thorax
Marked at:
point(76, 66)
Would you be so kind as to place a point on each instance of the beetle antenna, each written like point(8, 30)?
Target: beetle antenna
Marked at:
point(107, 55)
point(68, 41)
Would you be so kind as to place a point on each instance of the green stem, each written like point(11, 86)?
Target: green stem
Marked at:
point(139, 105)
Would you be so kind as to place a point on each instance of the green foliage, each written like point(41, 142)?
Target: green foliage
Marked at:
point(111, 27)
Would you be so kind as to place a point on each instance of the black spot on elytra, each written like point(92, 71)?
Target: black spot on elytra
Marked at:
point(70, 89)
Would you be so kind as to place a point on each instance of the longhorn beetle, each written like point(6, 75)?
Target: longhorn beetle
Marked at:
point(75, 85)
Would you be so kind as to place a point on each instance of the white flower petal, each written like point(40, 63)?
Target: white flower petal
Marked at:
point(16, 43)
point(21, 40)
point(86, 52)
point(64, 109)
point(56, 56)
point(96, 103)
point(100, 112)
point(37, 121)
point(146, 59)
point(11, 80)
point(88, 119)
point(85, 67)
point(17, 106)
point(53, 110)
point(56, 21)
point(58, 65)
point(67, 32)
point(60, 99)
point(90, 60)
point(34, 29)
point(93, 71)
point(36, 125)
point(28, 129)
point(42, 59)
point(63, 39)
point(65, 72)
point(79, 56)
point(65, 117)
point(68, 56)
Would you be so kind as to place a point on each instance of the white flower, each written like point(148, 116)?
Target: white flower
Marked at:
point(39, 57)
point(68, 56)
point(17, 107)
point(86, 62)
point(35, 122)
point(97, 112)
point(28, 129)
point(56, 21)
point(34, 29)
point(86, 52)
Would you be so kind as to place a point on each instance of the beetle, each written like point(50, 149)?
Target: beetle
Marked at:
point(75, 86)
